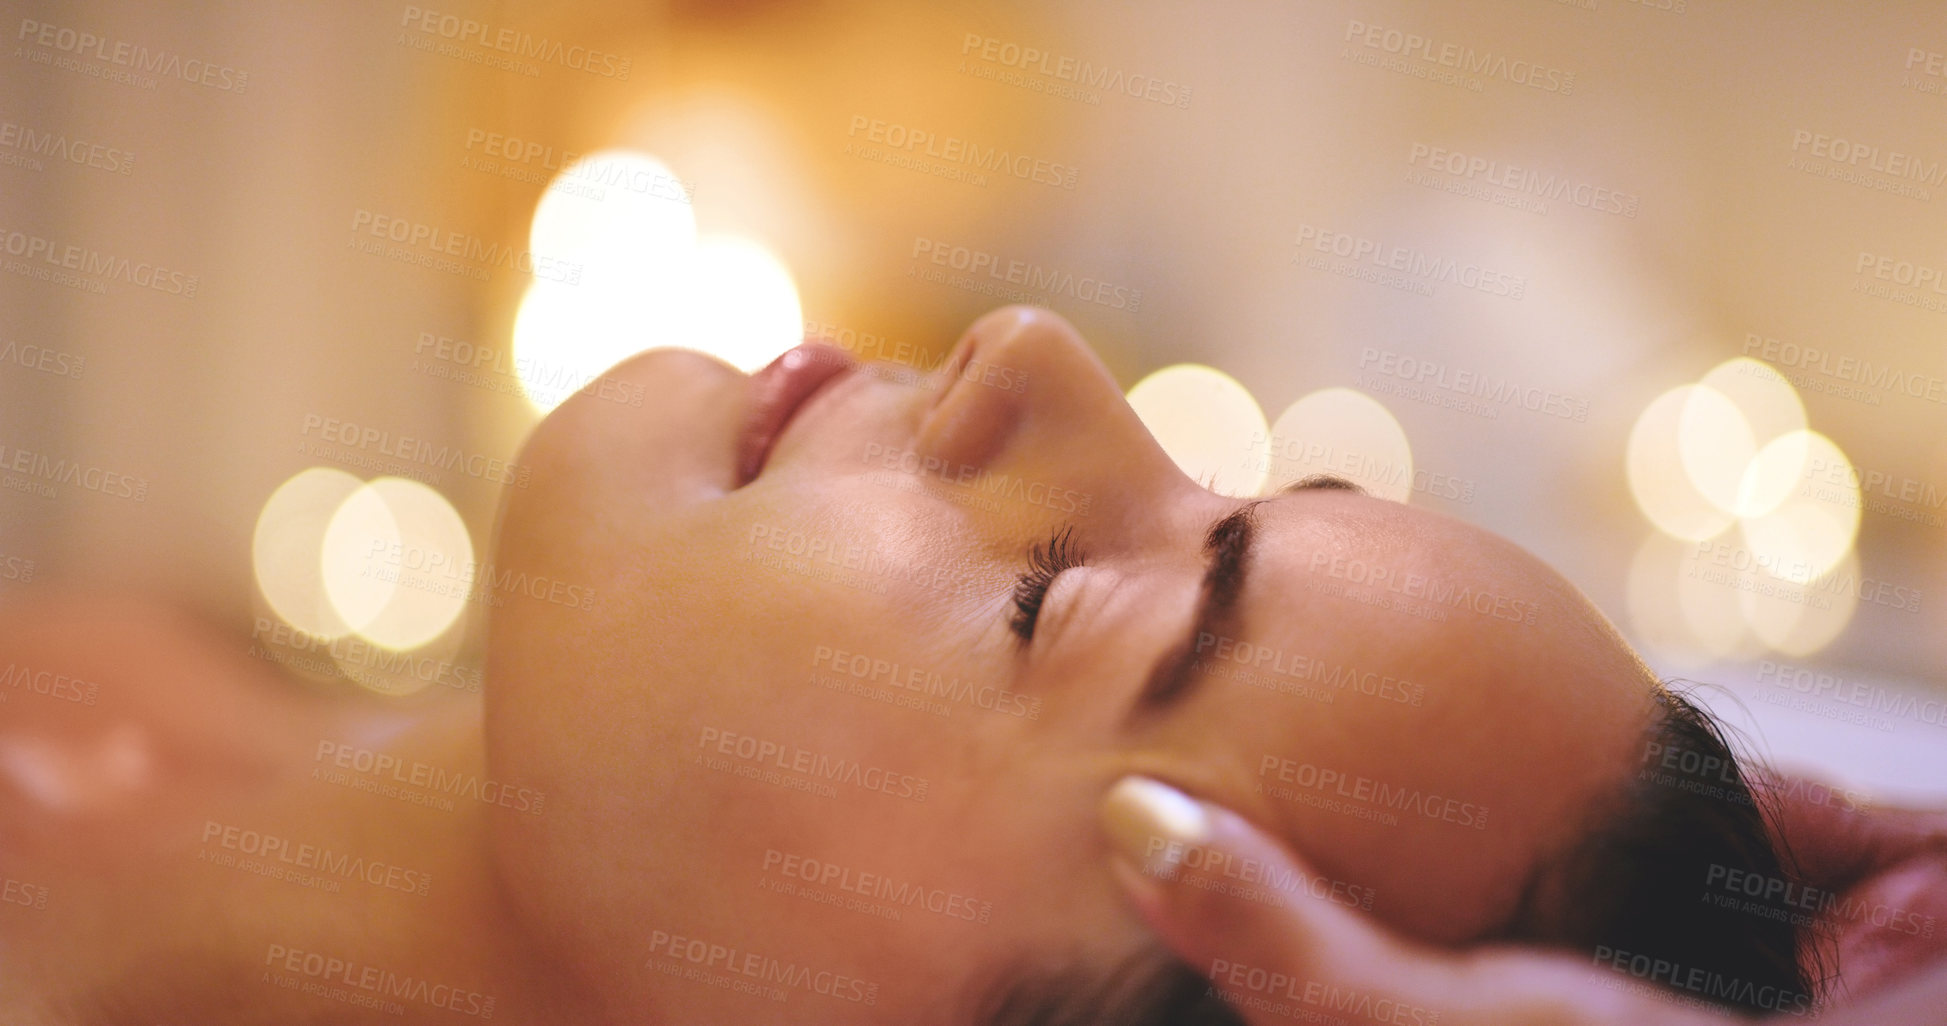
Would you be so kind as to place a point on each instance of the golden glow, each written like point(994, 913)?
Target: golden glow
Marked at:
point(1798, 619)
point(1811, 530)
point(614, 239)
point(1771, 409)
point(1657, 478)
point(1746, 456)
point(1346, 432)
point(1681, 609)
point(285, 549)
point(397, 563)
point(1208, 423)
point(742, 306)
point(616, 216)
point(1714, 444)
point(564, 339)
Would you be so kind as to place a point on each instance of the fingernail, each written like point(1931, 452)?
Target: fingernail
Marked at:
point(1152, 824)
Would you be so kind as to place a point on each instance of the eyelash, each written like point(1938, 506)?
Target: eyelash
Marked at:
point(1046, 561)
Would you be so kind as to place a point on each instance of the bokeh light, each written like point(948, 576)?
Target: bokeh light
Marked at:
point(565, 338)
point(287, 546)
point(1811, 529)
point(645, 279)
point(1799, 618)
point(398, 563)
point(1770, 405)
point(1657, 477)
point(1345, 432)
point(617, 216)
point(741, 305)
point(1735, 449)
point(1682, 606)
point(1208, 424)
point(619, 238)
point(1715, 444)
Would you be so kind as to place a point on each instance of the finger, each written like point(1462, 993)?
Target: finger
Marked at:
point(1233, 903)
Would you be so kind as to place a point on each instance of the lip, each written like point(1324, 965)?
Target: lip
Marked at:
point(778, 392)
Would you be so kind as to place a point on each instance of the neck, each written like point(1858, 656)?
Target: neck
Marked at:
point(342, 889)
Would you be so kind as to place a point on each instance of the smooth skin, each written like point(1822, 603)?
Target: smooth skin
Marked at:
point(737, 806)
point(715, 654)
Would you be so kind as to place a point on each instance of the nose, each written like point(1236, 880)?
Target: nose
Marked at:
point(1028, 396)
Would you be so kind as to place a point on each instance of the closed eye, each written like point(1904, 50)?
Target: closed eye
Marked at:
point(1046, 561)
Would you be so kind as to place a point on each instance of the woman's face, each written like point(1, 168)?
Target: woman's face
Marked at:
point(798, 746)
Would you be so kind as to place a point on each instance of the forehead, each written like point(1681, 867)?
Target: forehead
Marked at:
point(1442, 661)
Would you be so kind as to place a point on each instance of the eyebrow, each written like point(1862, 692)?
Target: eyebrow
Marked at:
point(1227, 552)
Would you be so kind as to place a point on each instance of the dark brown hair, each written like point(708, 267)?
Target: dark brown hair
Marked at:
point(1636, 884)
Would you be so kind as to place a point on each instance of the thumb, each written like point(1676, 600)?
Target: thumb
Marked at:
point(1237, 907)
point(1278, 941)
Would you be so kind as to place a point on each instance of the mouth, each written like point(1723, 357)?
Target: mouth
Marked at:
point(778, 392)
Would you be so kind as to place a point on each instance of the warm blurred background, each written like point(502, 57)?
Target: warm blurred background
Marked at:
point(1657, 288)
